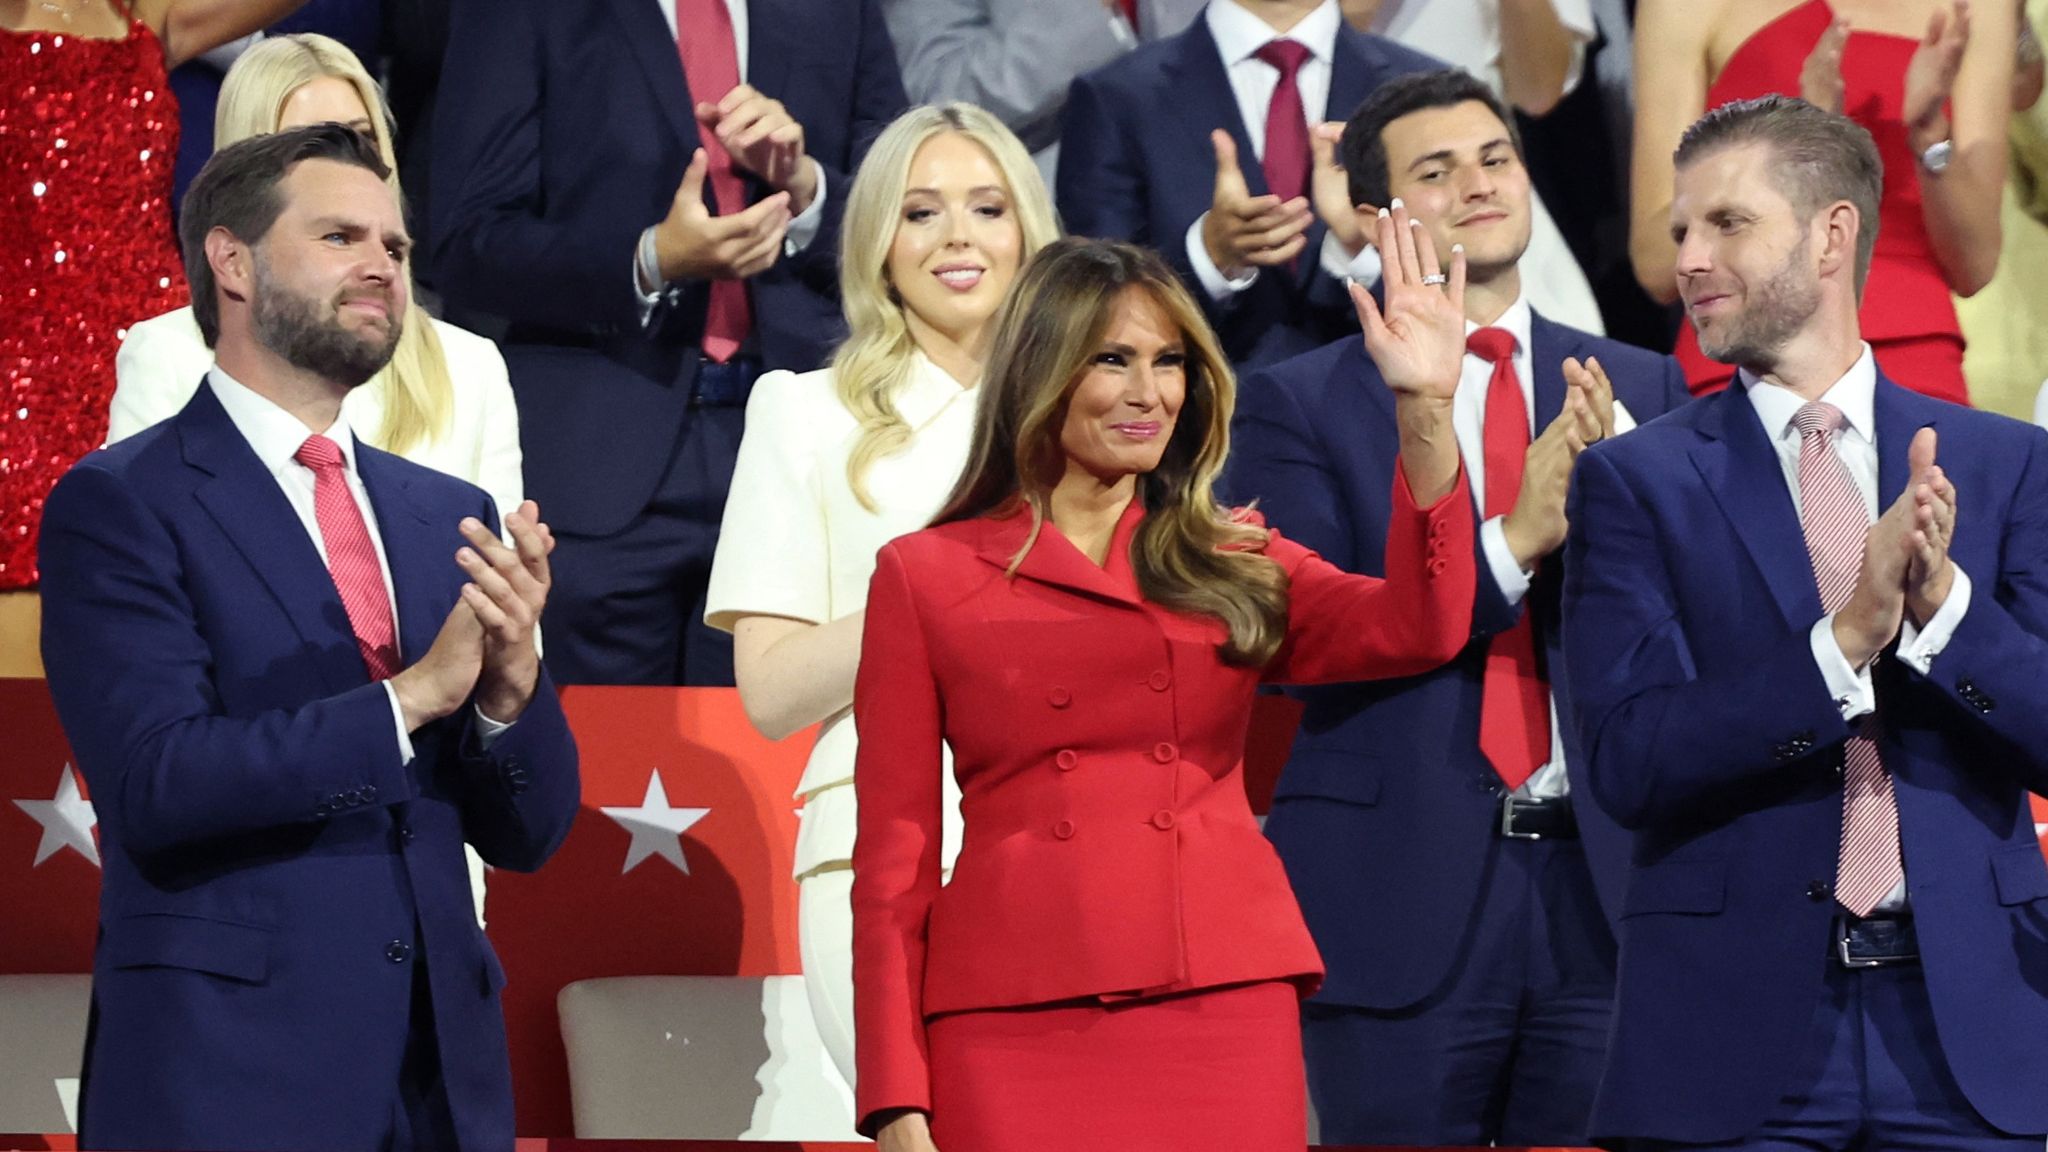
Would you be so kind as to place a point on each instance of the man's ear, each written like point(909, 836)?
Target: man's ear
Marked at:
point(1840, 227)
point(232, 262)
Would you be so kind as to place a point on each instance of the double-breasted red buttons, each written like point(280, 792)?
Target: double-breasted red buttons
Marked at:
point(1059, 697)
point(1165, 753)
point(1064, 830)
point(1160, 681)
point(1066, 759)
point(1163, 819)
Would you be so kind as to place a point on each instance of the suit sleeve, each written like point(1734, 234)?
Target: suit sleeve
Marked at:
point(877, 100)
point(900, 719)
point(1343, 627)
point(1995, 668)
point(1015, 58)
point(1278, 463)
point(520, 795)
point(498, 246)
point(1662, 740)
point(131, 675)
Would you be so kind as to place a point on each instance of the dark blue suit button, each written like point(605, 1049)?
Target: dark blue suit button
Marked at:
point(369, 793)
point(1818, 890)
point(398, 951)
point(406, 834)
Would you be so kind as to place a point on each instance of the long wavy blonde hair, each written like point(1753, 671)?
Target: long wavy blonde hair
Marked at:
point(872, 365)
point(1189, 554)
point(419, 398)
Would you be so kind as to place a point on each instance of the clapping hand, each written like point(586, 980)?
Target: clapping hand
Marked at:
point(763, 138)
point(1243, 231)
point(1931, 75)
point(1930, 574)
point(508, 588)
point(1820, 78)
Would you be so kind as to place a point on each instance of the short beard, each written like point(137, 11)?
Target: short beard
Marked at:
point(1775, 312)
point(295, 329)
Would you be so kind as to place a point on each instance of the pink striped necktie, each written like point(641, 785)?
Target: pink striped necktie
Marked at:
point(1836, 520)
point(351, 557)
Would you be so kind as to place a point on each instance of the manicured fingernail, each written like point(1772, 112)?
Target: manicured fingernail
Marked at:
point(1396, 203)
point(1383, 211)
point(1458, 248)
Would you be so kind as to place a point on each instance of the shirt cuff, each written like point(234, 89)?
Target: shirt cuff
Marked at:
point(804, 228)
point(398, 724)
point(487, 729)
point(1364, 267)
point(1214, 282)
point(1852, 691)
point(647, 270)
point(1500, 559)
point(1919, 646)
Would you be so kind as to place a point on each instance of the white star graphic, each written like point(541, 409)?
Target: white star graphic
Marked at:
point(67, 821)
point(657, 829)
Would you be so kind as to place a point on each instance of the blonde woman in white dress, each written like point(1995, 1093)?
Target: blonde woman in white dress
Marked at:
point(835, 463)
point(444, 401)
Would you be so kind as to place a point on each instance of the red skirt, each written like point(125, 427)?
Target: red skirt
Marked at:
point(1218, 1070)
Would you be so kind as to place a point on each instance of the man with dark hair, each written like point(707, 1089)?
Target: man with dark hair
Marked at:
point(1453, 885)
point(1815, 686)
point(298, 674)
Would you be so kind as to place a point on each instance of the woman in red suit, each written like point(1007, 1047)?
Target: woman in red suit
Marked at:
point(1117, 961)
point(1930, 79)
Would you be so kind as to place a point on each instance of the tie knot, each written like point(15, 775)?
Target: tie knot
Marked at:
point(318, 452)
point(1817, 418)
point(1492, 345)
point(1286, 55)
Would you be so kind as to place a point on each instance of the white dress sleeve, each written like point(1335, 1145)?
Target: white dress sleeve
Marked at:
point(772, 557)
point(156, 370)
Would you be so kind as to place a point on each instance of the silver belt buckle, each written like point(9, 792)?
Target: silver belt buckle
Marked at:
point(1842, 952)
point(1507, 821)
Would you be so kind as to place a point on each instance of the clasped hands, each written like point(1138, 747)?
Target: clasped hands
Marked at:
point(486, 645)
point(763, 139)
point(1906, 565)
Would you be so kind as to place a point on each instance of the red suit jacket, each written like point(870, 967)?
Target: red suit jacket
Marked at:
point(1099, 744)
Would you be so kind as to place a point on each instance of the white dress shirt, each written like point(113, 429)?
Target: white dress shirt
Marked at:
point(1468, 422)
point(1855, 394)
point(1239, 35)
point(797, 543)
point(803, 227)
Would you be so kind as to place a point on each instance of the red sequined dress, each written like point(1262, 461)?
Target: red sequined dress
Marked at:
point(88, 133)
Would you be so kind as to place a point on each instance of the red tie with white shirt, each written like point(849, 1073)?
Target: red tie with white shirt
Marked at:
point(711, 65)
point(351, 556)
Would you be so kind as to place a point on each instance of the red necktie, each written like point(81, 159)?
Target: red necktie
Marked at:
point(1514, 702)
point(1286, 157)
point(711, 65)
point(351, 557)
point(1835, 520)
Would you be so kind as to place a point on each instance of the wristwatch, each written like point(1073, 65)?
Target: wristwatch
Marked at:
point(1935, 159)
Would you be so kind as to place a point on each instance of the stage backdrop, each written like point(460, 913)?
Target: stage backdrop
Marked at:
point(678, 863)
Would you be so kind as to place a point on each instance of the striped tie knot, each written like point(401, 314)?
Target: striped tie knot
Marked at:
point(318, 452)
point(1817, 418)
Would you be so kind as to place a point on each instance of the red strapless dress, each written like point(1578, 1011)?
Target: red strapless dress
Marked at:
point(1907, 315)
point(88, 133)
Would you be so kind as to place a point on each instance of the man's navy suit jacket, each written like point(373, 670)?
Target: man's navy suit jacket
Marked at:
point(1136, 164)
point(273, 872)
point(1709, 731)
point(1385, 813)
point(561, 132)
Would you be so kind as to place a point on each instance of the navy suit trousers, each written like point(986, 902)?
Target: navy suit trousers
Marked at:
point(1509, 1050)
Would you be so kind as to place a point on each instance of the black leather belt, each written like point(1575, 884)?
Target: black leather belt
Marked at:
point(724, 385)
point(1526, 819)
point(1876, 941)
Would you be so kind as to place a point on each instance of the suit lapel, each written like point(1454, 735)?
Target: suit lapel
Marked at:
point(420, 552)
point(1549, 344)
point(1054, 559)
point(654, 51)
point(1199, 85)
point(245, 502)
point(1900, 414)
point(1741, 469)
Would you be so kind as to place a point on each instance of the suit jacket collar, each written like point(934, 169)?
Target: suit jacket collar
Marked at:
point(421, 552)
point(1740, 466)
point(1200, 86)
point(1055, 560)
point(654, 52)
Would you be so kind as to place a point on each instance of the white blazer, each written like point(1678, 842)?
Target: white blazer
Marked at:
point(163, 359)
